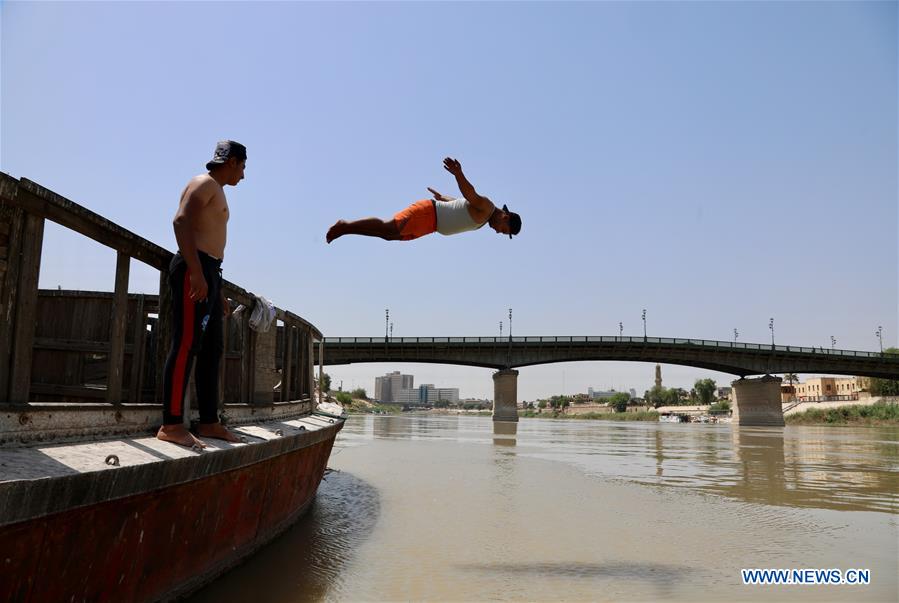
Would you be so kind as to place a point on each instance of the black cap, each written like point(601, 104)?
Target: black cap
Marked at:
point(225, 150)
point(514, 222)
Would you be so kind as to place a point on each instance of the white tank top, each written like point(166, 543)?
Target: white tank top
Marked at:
point(453, 217)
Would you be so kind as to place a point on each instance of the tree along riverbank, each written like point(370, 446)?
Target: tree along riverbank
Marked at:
point(879, 413)
point(361, 406)
point(595, 416)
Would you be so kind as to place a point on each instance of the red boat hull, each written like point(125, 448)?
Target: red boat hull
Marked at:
point(166, 541)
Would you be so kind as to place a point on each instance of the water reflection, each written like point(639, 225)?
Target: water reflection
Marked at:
point(415, 427)
point(410, 426)
point(391, 427)
point(806, 467)
point(759, 466)
point(504, 433)
point(659, 452)
point(318, 546)
point(802, 466)
point(792, 466)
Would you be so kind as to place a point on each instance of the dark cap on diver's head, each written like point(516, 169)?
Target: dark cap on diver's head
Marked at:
point(514, 222)
point(225, 150)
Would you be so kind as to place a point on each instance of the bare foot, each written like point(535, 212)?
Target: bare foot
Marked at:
point(179, 435)
point(218, 431)
point(336, 231)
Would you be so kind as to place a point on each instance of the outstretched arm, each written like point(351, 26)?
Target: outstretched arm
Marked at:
point(479, 202)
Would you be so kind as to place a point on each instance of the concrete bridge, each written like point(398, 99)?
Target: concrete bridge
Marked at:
point(757, 400)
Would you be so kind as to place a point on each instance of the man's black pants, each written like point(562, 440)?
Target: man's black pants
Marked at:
point(197, 332)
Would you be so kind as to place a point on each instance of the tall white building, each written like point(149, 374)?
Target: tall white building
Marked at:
point(388, 387)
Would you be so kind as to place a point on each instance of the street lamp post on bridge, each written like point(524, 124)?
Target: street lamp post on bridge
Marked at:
point(386, 322)
point(736, 335)
point(771, 326)
point(509, 362)
point(879, 333)
point(644, 324)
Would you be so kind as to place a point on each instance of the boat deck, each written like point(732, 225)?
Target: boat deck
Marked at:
point(61, 459)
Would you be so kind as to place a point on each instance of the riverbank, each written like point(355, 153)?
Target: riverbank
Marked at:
point(877, 414)
point(360, 406)
point(456, 412)
point(593, 416)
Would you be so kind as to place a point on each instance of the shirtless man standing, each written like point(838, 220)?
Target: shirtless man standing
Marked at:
point(198, 303)
point(442, 214)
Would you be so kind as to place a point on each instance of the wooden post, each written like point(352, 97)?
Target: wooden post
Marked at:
point(14, 218)
point(251, 364)
point(286, 370)
point(26, 309)
point(302, 360)
point(116, 360)
point(298, 363)
point(163, 333)
point(300, 375)
point(310, 366)
point(137, 356)
point(245, 352)
point(223, 365)
point(321, 369)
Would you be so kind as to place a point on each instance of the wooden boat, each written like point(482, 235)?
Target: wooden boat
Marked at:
point(92, 506)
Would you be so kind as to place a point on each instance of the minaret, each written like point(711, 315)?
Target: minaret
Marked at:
point(658, 376)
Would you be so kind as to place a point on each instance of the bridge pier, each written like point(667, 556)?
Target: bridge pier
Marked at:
point(505, 402)
point(757, 402)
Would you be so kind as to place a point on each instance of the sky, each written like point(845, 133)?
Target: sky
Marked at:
point(717, 164)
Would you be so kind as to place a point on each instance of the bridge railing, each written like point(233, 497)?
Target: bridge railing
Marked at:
point(609, 339)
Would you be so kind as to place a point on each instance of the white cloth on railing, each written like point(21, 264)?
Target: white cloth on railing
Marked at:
point(263, 315)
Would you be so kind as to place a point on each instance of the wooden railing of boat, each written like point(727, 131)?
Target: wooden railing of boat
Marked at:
point(103, 352)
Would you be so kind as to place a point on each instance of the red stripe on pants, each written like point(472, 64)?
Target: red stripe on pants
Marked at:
point(187, 338)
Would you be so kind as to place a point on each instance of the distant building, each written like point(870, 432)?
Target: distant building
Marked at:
point(601, 395)
point(659, 376)
point(596, 394)
point(388, 387)
point(723, 392)
point(428, 395)
point(816, 388)
point(408, 397)
point(448, 394)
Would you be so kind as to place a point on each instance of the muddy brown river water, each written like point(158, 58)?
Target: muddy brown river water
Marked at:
point(438, 508)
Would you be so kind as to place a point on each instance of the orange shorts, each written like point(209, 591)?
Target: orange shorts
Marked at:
point(417, 220)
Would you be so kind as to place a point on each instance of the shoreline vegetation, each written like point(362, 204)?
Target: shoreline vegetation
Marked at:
point(593, 416)
point(361, 406)
point(878, 414)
